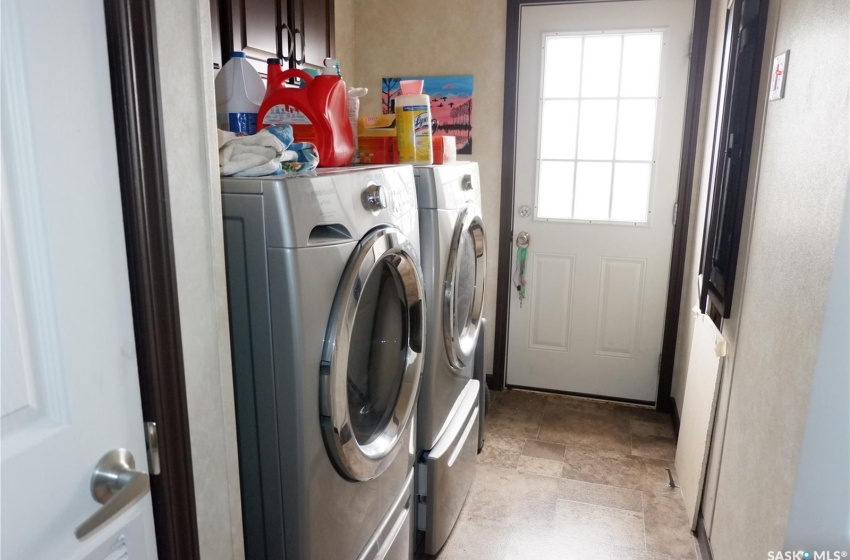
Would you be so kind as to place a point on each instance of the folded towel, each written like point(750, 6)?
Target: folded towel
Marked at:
point(268, 152)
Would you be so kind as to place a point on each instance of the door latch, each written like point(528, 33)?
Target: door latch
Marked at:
point(152, 445)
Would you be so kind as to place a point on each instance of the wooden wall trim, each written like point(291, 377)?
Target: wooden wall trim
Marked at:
point(131, 41)
point(497, 380)
point(690, 140)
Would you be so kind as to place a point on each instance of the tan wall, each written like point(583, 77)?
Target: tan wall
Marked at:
point(802, 184)
point(443, 37)
point(344, 38)
point(797, 189)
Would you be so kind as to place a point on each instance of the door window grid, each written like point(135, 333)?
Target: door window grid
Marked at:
point(603, 172)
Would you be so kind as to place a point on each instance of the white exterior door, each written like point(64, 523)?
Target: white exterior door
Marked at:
point(70, 389)
point(600, 110)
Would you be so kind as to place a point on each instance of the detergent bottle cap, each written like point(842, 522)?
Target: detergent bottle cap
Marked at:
point(331, 67)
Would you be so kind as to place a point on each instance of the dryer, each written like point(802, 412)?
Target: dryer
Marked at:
point(327, 331)
point(449, 412)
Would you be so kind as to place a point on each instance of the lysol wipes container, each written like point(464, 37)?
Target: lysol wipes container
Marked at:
point(239, 92)
point(413, 124)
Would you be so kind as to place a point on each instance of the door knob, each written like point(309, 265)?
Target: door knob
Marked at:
point(117, 485)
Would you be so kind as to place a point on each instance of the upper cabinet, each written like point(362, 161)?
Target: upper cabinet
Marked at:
point(298, 31)
point(313, 21)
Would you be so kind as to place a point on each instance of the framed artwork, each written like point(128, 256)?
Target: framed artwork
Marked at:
point(451, 105)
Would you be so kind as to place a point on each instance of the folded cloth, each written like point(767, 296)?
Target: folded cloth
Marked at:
point(268, 152)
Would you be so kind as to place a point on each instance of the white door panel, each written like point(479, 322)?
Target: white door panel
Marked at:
point(70, 389)
point(597, 160)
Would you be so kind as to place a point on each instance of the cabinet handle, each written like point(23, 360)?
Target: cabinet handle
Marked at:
point(290, 42)
point(300, 60)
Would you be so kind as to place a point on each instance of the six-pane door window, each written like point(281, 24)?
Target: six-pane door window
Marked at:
point(597, 126)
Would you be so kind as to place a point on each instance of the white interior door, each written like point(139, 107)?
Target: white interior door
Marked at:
point(70, 390)
point(600, 110)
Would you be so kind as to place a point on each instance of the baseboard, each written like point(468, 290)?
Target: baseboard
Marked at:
point(703, 546)
point(582, 395)
point(675, 413)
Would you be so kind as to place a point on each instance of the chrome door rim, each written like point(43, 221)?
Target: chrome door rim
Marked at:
point(460, 340)
point(355, 461)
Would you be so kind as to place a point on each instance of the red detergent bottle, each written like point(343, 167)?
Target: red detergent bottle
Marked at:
point(321, 106)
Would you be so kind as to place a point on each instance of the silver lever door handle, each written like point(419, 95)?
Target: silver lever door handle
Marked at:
point(117, 485)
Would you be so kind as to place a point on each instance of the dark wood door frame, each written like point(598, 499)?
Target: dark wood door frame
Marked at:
point(131, 42)
point(685, 186)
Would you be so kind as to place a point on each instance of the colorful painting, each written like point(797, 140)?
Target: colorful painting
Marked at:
point(451, 105)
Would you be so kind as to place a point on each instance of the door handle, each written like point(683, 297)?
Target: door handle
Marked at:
point(299, 60)
point(117, 485)
point(290, 42)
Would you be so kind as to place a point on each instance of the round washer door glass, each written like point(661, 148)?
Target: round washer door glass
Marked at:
point(464, 288)
point(372, 358)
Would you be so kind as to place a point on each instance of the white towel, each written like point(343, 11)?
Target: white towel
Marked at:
point(250, 156)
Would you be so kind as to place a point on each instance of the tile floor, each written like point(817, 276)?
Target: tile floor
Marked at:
point(565, 478)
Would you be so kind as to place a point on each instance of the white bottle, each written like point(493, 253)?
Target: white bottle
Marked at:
point(239, 93)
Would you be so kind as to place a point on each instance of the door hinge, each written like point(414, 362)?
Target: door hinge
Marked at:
point(675, 213)
point(659, 364)
point(152, 445)
point(691, 45)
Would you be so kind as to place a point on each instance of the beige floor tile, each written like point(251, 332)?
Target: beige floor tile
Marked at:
point(489, 499)
point(645, 414)
point(667, 526)
point(599, 524)
point(551, 545)
point(543, 467)
point(608, 408)
point(516, 414)
point(619, 553)
point(544, 450)
point(566, 426)
point(601, 495)
point(587, 406)
point(654, 447)
point(655, 479)
point(609, 503)
point(643, 428)
point(510, 499)
point(532, 502)
point(501, 451)
point(471, 539)
point(591, 465)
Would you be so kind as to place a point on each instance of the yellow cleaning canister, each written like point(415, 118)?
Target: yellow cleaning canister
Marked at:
point(413, 126)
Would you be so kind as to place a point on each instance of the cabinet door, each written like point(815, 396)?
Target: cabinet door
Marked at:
point(313, 27)
point(255, 25)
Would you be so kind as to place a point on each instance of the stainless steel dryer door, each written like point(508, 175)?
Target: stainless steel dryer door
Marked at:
point(464, 288)
point(372, 358)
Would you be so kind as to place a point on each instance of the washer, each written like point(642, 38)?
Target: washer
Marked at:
point(449, 413)
point(327, 331)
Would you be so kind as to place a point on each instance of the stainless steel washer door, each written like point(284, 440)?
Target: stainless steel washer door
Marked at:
point(372, 358)
point(464, 288)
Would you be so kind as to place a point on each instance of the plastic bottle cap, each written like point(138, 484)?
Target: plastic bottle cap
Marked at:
point(237, 54)
point(270, 60)
point(331, 67)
